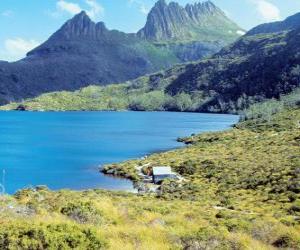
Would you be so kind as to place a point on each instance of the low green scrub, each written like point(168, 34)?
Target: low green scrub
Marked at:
point(241, 190)
point(266, 109)
point(255, 159)
point(110, 98)
point(82, 212)
point(26, 235)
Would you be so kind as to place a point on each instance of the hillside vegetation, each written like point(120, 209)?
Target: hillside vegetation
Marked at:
point(251, 70)
point(265, 110)
point(241, 191)
point(83, 52)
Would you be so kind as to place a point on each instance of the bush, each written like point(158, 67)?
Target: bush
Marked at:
point(148, 102)
point(82, 212)
point(187, 168)
point(205, 238)
point(266, 109)
point(287, 240)
point(54, 236)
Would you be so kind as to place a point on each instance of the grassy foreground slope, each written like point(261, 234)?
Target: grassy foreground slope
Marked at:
point(241, 191)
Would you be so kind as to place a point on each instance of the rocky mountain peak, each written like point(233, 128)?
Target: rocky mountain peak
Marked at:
point(209, 5)
point(81, 17)
point(172, 21)
point(80, 27)
point(160, 3)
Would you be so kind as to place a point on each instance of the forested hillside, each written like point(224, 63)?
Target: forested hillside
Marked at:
point(253, 69)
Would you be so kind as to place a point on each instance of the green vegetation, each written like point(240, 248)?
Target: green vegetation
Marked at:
point(26, 235)
point(241, 190)
point(265, 110)
point(139, 96)
point(251, 70)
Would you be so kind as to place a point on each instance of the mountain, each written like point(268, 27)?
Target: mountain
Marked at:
point(290, 23)
point(82, 52)
point(252, 69)
point(197, 22)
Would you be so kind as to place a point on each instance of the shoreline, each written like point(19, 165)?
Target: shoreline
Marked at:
point(122, 110)
point(174, 141)
point(112, 171)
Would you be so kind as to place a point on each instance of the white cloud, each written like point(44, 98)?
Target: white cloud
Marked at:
point(267, 10)
point(93, 8)
point(143, 9)
point(72, 8)
point(7, 13)
point(140, 5)
point(16, 48)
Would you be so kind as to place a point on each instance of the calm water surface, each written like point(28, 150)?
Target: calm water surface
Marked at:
point(64, 150)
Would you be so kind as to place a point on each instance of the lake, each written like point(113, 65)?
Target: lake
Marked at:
point(65, 149)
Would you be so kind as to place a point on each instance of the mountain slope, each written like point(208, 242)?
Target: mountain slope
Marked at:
point(255, 68)
point(250, 70)
point(82, 52)
point(290, 23)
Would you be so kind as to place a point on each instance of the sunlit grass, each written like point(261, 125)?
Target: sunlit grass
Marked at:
point(241, 191)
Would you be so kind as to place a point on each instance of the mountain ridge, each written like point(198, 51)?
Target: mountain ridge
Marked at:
point(251, 70)
point(289, 23)
point(82, 52)
point(172, 21)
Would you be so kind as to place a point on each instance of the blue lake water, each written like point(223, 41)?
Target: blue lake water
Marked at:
point(65, 149)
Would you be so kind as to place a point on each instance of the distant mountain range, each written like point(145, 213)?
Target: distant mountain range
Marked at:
point(82, 52)
point(260, 65)
point(290, 23)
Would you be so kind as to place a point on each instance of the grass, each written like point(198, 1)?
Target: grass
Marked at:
point(118, 97)
point(241, 191)
point(265, 110)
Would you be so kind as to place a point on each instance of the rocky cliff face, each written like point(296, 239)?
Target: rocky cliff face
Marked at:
point(80, 27)
point(199, 21)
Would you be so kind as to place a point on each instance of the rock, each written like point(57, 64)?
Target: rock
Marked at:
point(109, 171)
point(41, 188)
point(172, 21)
point(21, 108)
point(142, 188)
point(157, 222)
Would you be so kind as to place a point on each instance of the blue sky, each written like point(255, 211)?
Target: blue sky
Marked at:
point(26, 23)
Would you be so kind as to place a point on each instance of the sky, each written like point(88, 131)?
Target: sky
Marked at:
point(24, 24)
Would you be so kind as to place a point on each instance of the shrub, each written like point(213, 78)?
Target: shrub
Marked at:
point(82, 212)
point(205, 238)
point(266, 109)
point(287, 240)
point(187, 168)
point(54, 236)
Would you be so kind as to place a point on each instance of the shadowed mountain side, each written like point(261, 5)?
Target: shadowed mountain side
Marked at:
point(255, 68)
